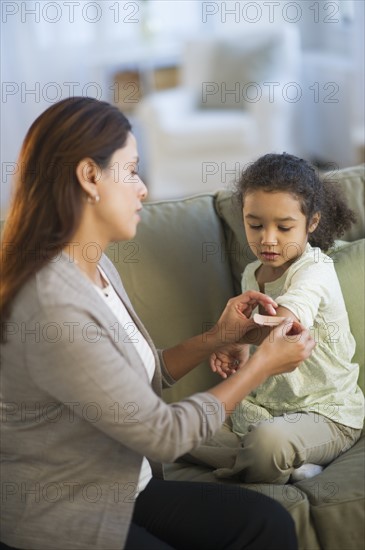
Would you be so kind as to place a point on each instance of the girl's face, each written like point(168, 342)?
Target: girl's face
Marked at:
point(276, 228)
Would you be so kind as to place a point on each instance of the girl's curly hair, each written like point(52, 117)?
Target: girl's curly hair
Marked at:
point(290, 174)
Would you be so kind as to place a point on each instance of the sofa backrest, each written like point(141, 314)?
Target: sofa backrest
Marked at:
point(177, 276)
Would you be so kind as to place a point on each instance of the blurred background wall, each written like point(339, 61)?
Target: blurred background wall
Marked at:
point(208, 86)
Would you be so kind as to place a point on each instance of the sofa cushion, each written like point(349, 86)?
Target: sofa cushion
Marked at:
point(177, 276)
point(337, 499)
point(352, 182)
point(349, 262)
point(238, 251)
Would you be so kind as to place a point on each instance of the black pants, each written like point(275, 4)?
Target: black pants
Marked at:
point(186, 515)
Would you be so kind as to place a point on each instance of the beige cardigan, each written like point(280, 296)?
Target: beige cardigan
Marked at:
point(78, 414)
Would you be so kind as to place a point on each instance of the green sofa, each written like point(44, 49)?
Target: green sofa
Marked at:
point(180, 270)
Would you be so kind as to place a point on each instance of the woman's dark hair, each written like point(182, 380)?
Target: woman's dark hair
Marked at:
point(284, 172)
point(47, 202)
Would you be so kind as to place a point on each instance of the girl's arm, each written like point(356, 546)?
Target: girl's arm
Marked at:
point(257, 333)
point(313, 283)
point(231, 327)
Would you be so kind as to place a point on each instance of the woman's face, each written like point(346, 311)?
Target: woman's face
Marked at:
point(121, 194)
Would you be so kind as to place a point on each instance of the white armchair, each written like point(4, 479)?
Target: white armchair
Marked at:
point(236, 101)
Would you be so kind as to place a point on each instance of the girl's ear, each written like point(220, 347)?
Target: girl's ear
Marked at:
point(313, 224)
point(88, 174)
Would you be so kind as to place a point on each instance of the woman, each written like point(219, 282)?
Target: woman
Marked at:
point(84, 426)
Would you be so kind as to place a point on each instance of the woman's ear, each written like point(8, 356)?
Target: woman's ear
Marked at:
point(88, 173)
point(313, 224)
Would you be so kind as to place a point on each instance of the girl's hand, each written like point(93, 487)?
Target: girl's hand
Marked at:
point(286, 347)
point(235, 320)
point(227, 361)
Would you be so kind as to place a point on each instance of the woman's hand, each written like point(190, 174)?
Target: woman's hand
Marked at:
point(282, 350)
point(235, 320)
point(285, 347)
point(232, 325)
point(227, 361)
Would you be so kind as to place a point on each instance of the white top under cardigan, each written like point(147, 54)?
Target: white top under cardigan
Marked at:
point(136, 339)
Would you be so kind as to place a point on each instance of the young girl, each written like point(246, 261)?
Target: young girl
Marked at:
point(295, 423)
